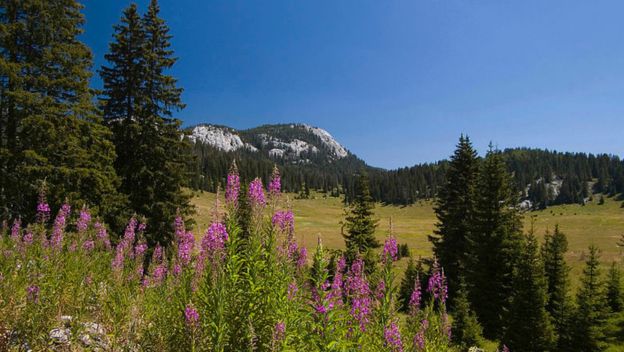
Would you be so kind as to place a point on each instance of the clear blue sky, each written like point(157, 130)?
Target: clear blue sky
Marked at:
point(397, 81)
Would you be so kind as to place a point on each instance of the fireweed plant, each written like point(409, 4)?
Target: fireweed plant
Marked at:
point(220, 291)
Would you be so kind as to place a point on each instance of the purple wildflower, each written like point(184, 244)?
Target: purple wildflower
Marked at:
point(256, 193)
point(380, 291)
point(102, 235)
point(28, 238)
point(392, 335)
point(88, 245)
point(419, 338)
point(43, 208)
point(302, 258)
point(129, 233)
point(32, 292)
point(84, 220)
point(390, 250)
point(186, 241)
point(284, 220)
point(292, 290)
point(505, 348)
point(15, 229)
point(140, 249)
point(279, 333)
point(437, 284)
point(59, 227)
point(191, 316)
point(358, 293)
point(177, 269)
point(414, 302)
point(275, 186)
point(159, 275)
point(232, 188)
point(214, 239)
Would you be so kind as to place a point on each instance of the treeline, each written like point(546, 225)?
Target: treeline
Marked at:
point(329, 178)
point(117, 153)
point(544, 177)
point(502, 282)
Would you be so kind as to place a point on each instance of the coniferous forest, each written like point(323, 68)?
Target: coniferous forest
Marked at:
point(100, 248)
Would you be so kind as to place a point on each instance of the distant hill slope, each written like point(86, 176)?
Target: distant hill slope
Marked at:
point(310, 158)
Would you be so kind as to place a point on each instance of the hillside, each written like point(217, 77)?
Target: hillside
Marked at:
point(310, 158)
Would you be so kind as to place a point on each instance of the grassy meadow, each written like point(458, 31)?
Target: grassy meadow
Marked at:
point(601, 225)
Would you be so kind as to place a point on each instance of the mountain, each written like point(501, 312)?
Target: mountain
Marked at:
point(310, 158)
point(292, 143)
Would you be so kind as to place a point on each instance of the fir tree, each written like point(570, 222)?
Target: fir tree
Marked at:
point(591, 304)
point(359, 222)
point(454, 210)
point(49, 127)
point(138, 101)
point(556, 270)
point(494, 244)
point(412, 273)
point(466, 328)
point(528, 326)
point(614, 293)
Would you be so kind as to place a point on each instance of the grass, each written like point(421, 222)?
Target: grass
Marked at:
point(601, 225)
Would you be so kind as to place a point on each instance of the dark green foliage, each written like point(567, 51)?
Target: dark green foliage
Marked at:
point(404, 251)
point(454, 210)
point(359, 222)
point(495, 241)
point(413, 272)
point(538, 194)
point(528, 326)
point(614, 288)
point(467, 331)
point(590, 315)
point(556, 270)
point(601, 201)
point(49, 127)
point(138, 100)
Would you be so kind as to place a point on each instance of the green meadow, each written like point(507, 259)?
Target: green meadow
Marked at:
point(601, 225)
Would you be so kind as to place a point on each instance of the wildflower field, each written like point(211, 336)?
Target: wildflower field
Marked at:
point(245, 284)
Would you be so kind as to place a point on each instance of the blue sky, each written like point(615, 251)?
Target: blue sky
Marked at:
point(397, 81)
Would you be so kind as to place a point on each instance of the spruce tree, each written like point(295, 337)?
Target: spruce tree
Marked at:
point(494, 244)
point(467, 332)
point(614, 289)
point(50, 128)
point(591, 308)
point(454, 210)
point(556, 270)
point(528, 324)
point(359, 222)
point(412, 273)
point(138, 102)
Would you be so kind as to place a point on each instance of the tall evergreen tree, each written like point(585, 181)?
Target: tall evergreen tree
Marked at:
point(359, 222)
point(528, 324)
point(494, 244)
point(49, 127)
point(467, 331)
point(614, 288)
point(454, 210)
point(591, 304)
point(138, 102)
point(556, 270)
